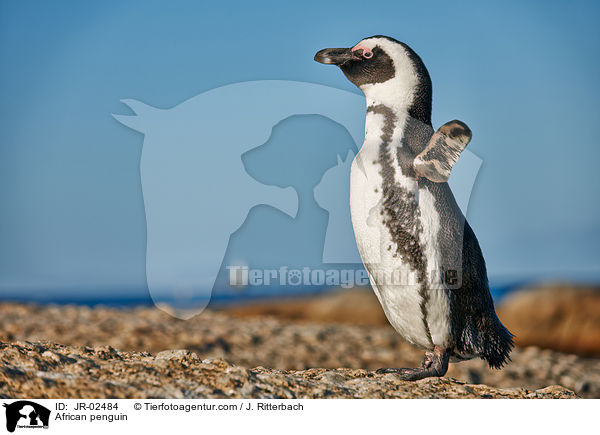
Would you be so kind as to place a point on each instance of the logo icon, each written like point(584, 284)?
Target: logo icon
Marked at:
point(26, 414)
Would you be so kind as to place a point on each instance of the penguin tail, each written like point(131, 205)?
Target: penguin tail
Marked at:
point(497, 343)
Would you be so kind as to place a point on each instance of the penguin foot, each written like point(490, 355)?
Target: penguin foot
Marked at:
point(435, 364)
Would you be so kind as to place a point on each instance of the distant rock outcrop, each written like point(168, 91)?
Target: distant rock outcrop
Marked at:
point(356, 306)
point(555, 316)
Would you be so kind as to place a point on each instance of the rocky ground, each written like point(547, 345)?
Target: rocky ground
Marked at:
point(315, 348)
point(56, 371)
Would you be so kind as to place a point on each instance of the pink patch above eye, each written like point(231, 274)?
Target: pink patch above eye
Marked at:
point(366, 53)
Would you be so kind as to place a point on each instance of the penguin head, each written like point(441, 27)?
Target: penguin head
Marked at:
point(388, 72)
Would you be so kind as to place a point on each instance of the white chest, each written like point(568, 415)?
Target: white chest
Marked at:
point(394, 280)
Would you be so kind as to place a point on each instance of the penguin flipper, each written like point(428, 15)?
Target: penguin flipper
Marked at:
point(443, 150)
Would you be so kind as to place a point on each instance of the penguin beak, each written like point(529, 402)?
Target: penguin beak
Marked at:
point(335, 56)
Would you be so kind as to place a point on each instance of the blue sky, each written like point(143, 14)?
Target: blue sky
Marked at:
point(523, 76)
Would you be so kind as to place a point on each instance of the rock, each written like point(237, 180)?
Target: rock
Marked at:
point(356, 306)
point(134, 375)
point(175, 354)
point(51, 355)
point(555, 316)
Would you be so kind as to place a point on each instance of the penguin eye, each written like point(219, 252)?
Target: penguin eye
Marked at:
point(368, 54)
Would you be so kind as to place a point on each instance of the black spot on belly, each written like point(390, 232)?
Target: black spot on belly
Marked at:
point(400, 209)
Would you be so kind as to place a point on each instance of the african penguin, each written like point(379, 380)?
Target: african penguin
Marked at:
point(423, 259)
